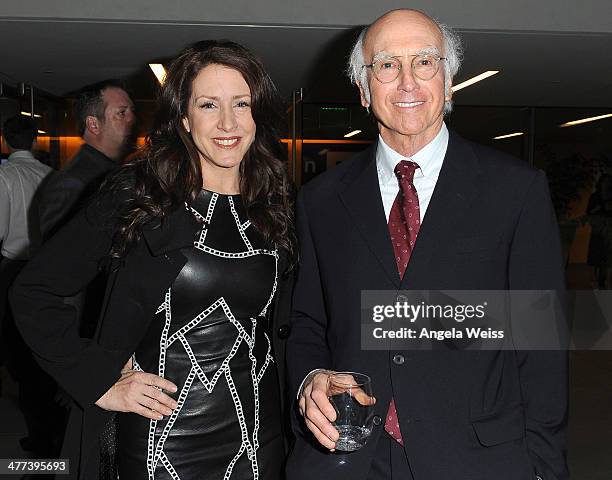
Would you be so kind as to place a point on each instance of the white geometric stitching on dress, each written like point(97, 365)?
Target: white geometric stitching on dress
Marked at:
point(135, 365)
point(265, 309)
point(201, 316)
point(205, 220)
point(230, 466)
point(243, 426)
point(173, 416)
point(255, 387)
point(210, 384)
point(219, 253)
point(239, 225)
point(211, 207)
point(166, 463)
point(269, 359)
point(167, 307)
point(156, 452)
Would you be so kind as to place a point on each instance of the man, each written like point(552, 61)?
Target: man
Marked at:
point(106, 119)
point(20, 179)
point(462, 217)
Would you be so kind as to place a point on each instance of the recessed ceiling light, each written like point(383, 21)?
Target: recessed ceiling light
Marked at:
point(509, 135)
point(473, 80)
point(352, 134)
point(585, 120)
point(159, 71)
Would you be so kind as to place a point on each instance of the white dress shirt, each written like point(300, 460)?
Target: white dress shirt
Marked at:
point(429, 159)
point(20, 177)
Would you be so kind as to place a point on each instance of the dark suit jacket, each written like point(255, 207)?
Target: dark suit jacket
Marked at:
point(463, 415)
point(61, 197)
point(86, 368)
point(65, 191)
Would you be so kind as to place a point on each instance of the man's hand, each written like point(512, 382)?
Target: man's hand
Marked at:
point(140, 393)
point(317, 411)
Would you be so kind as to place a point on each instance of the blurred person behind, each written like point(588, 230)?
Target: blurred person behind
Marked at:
point(105, 113)
point(106, 121)
point(198, 230)
point(20, 180)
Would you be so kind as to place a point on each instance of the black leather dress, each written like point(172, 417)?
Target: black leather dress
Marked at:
point(209, 338)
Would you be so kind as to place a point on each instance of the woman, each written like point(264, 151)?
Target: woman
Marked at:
point(199, 230)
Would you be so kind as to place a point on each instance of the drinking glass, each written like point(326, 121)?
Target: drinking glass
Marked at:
point(350, 393)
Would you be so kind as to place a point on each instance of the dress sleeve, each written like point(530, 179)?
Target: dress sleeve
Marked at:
point(63, 267)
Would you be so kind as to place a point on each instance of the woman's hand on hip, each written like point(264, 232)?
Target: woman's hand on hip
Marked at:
point(141, 393)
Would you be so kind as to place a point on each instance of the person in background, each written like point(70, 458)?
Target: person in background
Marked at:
point(21, 178)
point(197, 232)
point(599, 212)
point(106, 121)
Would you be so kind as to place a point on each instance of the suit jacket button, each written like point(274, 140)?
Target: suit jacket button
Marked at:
point(283, 331)
point(398, 359)
point(377, 420)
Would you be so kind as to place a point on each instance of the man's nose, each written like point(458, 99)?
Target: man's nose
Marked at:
point(407, 79)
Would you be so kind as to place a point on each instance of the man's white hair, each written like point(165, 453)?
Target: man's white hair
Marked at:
point(453, 53)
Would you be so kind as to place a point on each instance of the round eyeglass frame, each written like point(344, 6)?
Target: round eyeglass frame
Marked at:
point(401, 66)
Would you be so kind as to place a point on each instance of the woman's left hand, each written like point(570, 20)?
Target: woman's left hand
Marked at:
point(141, 393)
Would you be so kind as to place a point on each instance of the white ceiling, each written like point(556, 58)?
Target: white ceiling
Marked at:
point(537, 69)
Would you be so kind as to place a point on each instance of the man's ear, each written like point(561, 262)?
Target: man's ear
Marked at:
point(92, 124)
point(364, 102)
point(186, 124)
point(449, 94)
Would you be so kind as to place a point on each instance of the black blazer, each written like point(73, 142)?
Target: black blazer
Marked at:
point(66, 191)
point(463, 415)
point(86, 369)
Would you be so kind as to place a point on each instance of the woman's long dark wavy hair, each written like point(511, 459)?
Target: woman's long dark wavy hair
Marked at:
point(167, 172)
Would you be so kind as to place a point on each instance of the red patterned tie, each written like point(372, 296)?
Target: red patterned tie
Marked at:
point(404, 224)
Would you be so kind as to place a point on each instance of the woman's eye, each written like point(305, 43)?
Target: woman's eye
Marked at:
point(207, 105)
point(243, 104)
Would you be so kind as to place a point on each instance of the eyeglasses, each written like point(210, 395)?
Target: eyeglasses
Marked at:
point(387, 69)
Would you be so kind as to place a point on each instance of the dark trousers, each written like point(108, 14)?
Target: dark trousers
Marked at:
point(45, 419)
point(390, 461)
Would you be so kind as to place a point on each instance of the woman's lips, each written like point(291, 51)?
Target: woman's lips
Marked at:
point(226, 142)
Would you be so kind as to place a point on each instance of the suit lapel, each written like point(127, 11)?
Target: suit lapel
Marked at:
point(361, 197)
point(456, 187)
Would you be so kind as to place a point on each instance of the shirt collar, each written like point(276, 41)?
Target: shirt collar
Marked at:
point(429, 158)
point(21, 155)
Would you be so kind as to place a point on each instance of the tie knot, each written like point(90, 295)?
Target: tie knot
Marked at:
point(404, 171)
